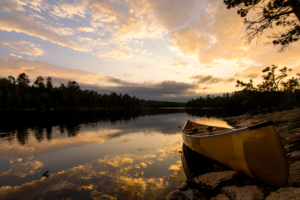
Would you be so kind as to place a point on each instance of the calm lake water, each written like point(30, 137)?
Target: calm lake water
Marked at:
point(104, 154)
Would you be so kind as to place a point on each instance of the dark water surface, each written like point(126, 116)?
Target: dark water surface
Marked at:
point(104, 154)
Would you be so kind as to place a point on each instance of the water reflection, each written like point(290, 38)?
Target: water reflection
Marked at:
point(107, 154)
point(19, 124)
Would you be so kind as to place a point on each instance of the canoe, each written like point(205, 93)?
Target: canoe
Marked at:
point(256, 151)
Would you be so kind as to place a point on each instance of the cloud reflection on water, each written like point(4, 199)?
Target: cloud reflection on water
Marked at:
point(129, 159)
point(111, 177)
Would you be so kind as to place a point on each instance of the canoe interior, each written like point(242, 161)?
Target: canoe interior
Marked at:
point(192, 128)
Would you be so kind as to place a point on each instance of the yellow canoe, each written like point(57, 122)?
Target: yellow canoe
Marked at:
point(256, 151)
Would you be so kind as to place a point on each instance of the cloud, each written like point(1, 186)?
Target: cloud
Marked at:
point(223, 40)
point(178, 12)
point(188, 41)
point(22, 47)
point(116, 53)
point(117, 81)
point(33, 68)
point(131, 20)
point(22, 26)
point(209, 79)
point(165, 90)
point(19, 5)
point(65, 10)
point(143, 51)
point(85, 29)
point(178, 63)
point(59, 31)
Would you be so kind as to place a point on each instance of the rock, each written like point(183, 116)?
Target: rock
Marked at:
point(220, 197)
point(243, 193)
point(212, 180)
point(183, 187)
point(294, 177)
point(294, 155)
point(196, 195)
point(176, 195)
point(285, 193)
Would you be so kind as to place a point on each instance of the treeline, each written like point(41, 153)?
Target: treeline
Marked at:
point(228, 100)
point(152, 103)
point(19, 94)
point(274, 93)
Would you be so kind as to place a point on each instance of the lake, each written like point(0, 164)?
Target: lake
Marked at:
point(103, 154)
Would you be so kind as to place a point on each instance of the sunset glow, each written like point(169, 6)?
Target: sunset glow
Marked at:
point(152, 49)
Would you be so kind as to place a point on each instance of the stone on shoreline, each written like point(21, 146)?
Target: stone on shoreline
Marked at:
point(285, 193)
point(243, 193)
point(213, 180)
point(183, 187)
point(176, 195)
point(197, 195)
point(294, 178)
point(220, 197)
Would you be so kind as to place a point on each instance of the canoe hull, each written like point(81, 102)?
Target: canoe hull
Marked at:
point(258, 153)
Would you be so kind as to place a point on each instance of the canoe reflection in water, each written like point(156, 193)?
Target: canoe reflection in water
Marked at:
point(195, 164)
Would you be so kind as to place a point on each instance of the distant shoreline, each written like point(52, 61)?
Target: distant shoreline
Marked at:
point(35, 109)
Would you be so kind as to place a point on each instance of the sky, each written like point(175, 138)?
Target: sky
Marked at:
point(170, 50)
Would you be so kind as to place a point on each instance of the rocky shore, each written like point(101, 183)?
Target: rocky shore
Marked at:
point(226, 184)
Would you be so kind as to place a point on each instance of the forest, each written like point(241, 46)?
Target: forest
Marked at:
point(19, 94)
point(152, 103)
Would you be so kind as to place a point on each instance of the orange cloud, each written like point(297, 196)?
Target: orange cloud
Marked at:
point(179, 63)
point(33, 68)
point(22, 47)
point(21, 26)
point(188, 41)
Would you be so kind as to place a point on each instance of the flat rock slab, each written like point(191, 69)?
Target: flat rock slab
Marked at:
point(212, 180)
point(220, 197)
point(176, 195)
point(285, 193)
point(243, 193)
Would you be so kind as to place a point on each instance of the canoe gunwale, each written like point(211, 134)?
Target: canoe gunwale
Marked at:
point(225, 133)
